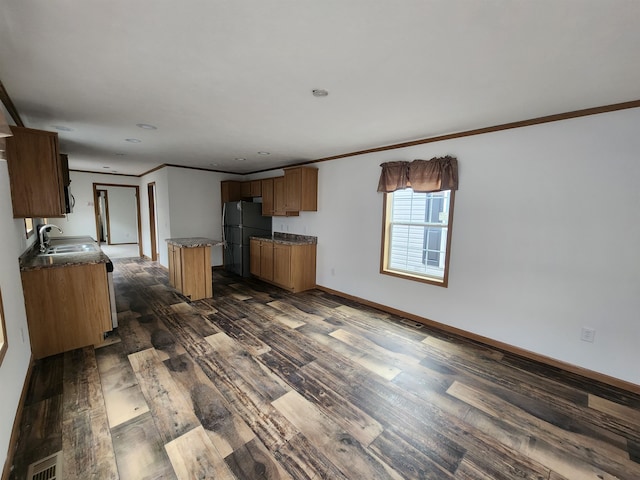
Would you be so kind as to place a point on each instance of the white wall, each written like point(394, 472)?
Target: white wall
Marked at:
point(82, 220)
point(546, 237)
point(123, 216)
point(195, 206)
point(16, 361)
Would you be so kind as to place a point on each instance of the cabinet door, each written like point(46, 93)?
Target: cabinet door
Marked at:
point(245, 189)
point(177, 268)
point(278, 196)
point(282, 265)
point(230, 191)
point(254, 257)
point(67, 307)
point(35, 173)
point(293, 189)
point(266, 260)
point(195, 277)
point(256, 188)
point(301, 186)
point(267, 196)
point(172, 266)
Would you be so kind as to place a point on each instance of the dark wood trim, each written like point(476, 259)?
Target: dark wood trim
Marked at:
point(200, 168)
point(154, 169)
point(139, 221)
point(495, 128)
point(124, 243)
point(590, 374)
point(95, 205)
point(8, 104)
point(107, 219)
point(15, 430)
point(152, 219)
point(96, 211)
point(105, 173)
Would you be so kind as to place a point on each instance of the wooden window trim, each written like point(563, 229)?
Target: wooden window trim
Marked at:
point(384, 250)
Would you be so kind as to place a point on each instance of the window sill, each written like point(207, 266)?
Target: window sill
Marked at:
point(416, 278)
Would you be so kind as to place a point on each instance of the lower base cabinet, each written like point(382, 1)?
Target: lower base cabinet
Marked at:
point(67, 307)
point(290, 266)
point(190, 271)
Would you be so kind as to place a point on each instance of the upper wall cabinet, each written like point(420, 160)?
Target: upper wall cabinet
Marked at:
point(36, 173)
point(301, 189)
point(230, 191)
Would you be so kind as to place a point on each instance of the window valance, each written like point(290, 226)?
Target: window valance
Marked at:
point(440, 173)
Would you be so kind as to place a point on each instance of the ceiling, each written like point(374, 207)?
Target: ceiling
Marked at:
point(225, 80)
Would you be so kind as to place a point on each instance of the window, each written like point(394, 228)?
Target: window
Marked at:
point(3, 332)
point(28, 226)
point(417, 235)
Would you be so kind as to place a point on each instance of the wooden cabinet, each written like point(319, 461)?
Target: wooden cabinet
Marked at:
point(301, 189)
point(295, 192)
point(175, 267)
point(67, 307)
point(280, 200)
point(230, 191)
point(282, 265)
point(190, 271)
point(251, 189)
point(36, 173)
point(245, 189)
point(279, 196)
point(292, 267)
point(261, 258)
point(266, 189)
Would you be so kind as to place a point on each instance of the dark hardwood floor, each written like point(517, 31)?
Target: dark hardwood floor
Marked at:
point(259, 383)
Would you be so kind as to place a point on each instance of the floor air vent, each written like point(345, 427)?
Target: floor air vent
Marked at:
point(49, 468)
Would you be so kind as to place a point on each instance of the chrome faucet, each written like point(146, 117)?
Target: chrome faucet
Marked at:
point(42, 235)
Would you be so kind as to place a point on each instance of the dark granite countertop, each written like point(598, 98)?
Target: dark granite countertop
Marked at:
point(289, 238)
point(32, 260)
point(193, 242)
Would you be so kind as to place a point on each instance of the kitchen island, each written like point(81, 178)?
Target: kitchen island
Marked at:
point(190, 266)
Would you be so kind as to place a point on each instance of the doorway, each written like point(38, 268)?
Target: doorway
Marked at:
point(117, 215)
point(103, 217)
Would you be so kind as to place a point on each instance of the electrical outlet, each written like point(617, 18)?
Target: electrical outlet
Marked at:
point(588, 334)
point(333, 272)
point(22, 335)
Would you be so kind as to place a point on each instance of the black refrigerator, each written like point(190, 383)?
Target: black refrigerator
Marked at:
point(242, 220)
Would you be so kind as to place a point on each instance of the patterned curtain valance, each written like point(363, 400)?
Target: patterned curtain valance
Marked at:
point(433, 175)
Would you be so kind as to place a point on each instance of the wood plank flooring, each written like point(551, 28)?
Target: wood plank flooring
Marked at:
point(257, 383)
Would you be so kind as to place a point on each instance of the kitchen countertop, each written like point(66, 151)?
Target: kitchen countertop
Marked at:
point(289, 238)
point(193, 242)
point(31, 260)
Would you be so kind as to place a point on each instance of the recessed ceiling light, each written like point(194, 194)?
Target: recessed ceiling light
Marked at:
point(62, 128)
point(120, 154)
point(264, 153)
point(106, 167)
point(240, 159)
point(146, 126)
point(132, 140)
point(213, 164)
point(318, 92)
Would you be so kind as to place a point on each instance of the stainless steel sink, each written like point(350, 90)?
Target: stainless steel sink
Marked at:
point(65, 249)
